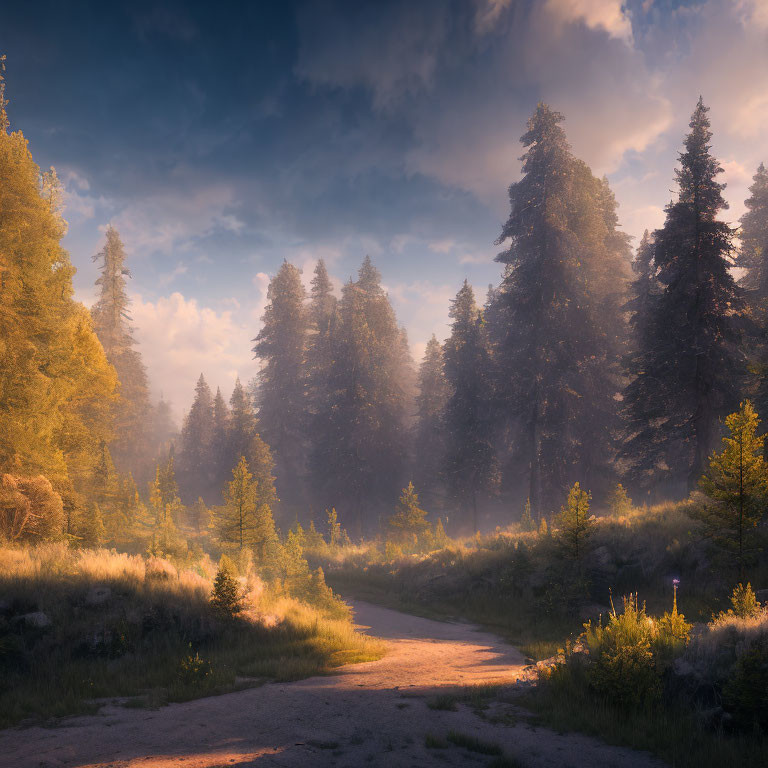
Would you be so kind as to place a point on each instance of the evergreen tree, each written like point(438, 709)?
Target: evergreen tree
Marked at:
point(226, 596)
point(526, 519)
point(737, 484)
point(281, 394)
point(196, 465)
point(557, 326)
point(200, 516)
point(471, 467)
point(56, 384)
point(111, 321)
point(363, 421)
point(246, 520)
point(753, 259)
point(430, 426)
point(91, 530)
point(642, 451)
point(242, 425)
point(692, 365)
point(575, 526)
point(322, 313)
point(220, 438)
point(409, 522)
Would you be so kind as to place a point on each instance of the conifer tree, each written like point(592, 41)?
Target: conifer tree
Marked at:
point(91, 531)
point(557, 325)
point(575, 526)
point(737, 484)
point(112, 323)
point(430, 439)
point(164, 428)
point(242, 425)
point(196, 464)
point(363, 422)
point(220, 437)
point(281, 393)
point(55, 382)
point(692, 365)
point(471, 468)
point(526, 519)
point(322, 313)
point(753, 259)
point(409, 522)
point(200, 516)
point(246, 520)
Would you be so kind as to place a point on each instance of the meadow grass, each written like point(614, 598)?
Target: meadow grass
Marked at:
point(125, 626)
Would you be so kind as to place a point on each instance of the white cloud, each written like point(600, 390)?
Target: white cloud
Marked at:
point(171, 221)
point(607, 15)
point(179, 339)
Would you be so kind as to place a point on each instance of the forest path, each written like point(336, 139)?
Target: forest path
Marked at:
point(371, 714)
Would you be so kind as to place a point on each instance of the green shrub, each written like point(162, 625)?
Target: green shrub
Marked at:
point(745, 694)
point(194, 669)
point(226, 597)
point(743, 602)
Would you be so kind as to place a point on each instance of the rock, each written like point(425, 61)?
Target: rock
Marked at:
point(98, 595)
point(36, 619)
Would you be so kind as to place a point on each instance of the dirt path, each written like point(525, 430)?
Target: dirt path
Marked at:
point(372, 714)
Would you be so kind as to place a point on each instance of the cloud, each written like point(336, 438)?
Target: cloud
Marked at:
point(179, 339)
point(169, 221)
point(607, 15)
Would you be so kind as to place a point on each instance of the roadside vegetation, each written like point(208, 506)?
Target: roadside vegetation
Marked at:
point(82, 627)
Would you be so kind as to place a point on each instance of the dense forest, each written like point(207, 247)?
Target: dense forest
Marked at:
point(566, 373)
point(494, 479)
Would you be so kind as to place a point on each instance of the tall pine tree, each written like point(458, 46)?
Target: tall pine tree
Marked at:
point(112, 323)
point(280, 346)
point(692, 364)
point(430, 438)
point(360, 464)
point(196, 463)
point(471, 467)
point(557, 324)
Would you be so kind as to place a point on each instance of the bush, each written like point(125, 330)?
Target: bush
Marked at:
point(745, 694)
point(625, 670)
point(226, 597)
point(30, 510)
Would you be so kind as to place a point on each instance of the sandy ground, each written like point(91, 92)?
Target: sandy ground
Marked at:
point(372, 714)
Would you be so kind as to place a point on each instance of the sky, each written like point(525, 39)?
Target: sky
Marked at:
point(223, 138)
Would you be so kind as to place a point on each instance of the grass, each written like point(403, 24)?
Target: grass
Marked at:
point(563, 701)
point(123, 626)
point(473, 744)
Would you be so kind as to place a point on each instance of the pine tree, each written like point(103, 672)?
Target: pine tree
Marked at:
point(430, 439)
point(409, 522)
point(226, 595)
point(111, 321)
point(91, 530)
point(55, 382)
point(281, 394)
point(164, 428)
point(693, 366)
point(526, 519)
point(557, 325)
point(221, 454)
point(363, 422)
point(196, 464)
point(322, 313)
point(471, 467)
point(575, 526)
point(753, 259)
point(737, 484)
point(242, 425)
point(246, 520)
point(642, 451)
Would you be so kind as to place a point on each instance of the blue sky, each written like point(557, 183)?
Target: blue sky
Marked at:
point(223, 138)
